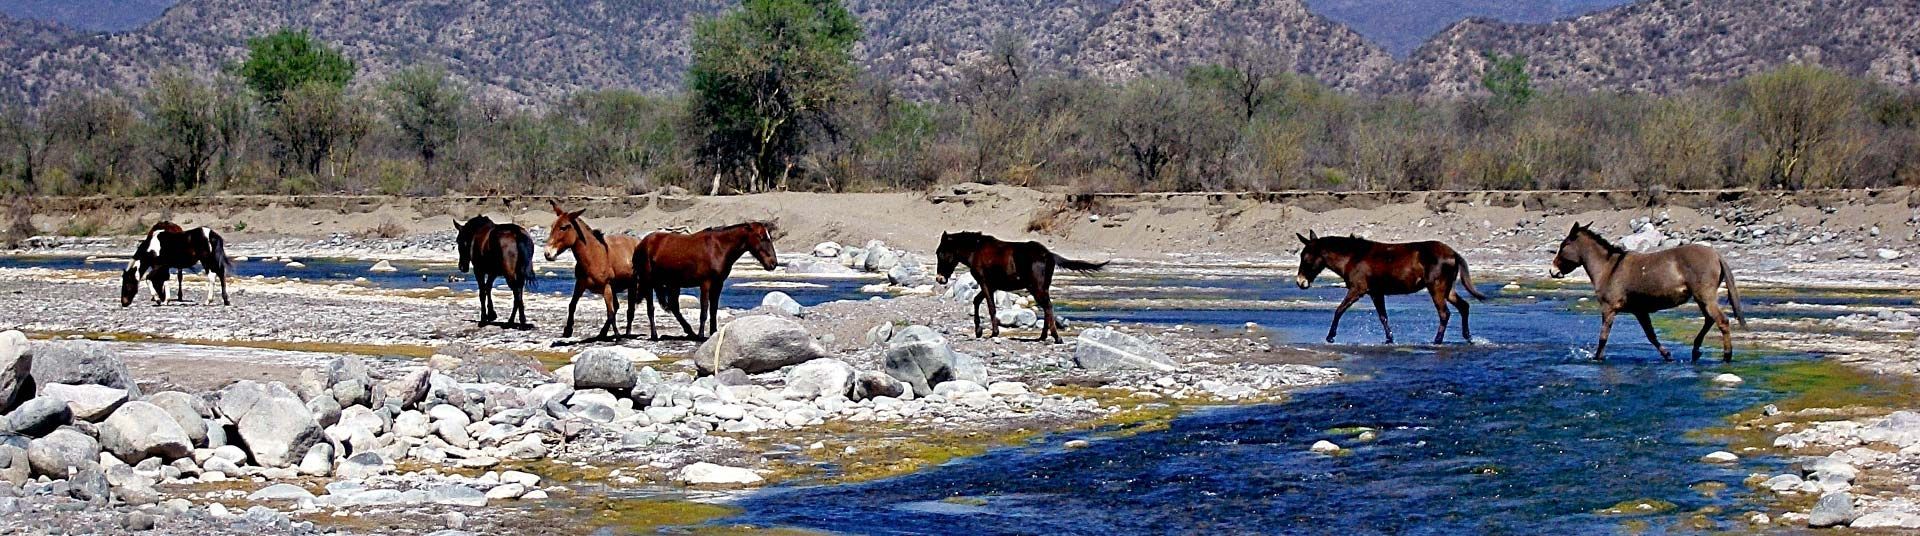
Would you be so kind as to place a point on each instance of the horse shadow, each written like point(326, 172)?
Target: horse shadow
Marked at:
point(516, 326)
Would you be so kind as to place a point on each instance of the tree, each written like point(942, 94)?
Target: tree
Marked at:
point(314, 120)
point(1506, 77)
point(424, 104)
point(24, 134)
point(288, 59)
point(95, 131)
point(1797, 112)
point(762, 71)
point(183, 130)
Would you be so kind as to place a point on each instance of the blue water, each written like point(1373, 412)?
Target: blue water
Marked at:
point(1518, 433)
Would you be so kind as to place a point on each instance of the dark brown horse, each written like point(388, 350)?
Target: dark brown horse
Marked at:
point(1006, 266)
point(1644, 283)
point(168, 248)
point(667, 262)
point(602, 264)
point(495, 250)
point(1381, 269)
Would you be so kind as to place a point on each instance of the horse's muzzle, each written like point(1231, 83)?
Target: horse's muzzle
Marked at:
point(1556, 273)
point(1302, 281)
point(552, 254)
point(941, 279)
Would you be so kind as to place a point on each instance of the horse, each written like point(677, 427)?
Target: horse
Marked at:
point(493, 250)
point(1644, 283)
point(1381, 269)
point(998, 265)
point(603, 264)
point(168, 247)
point(667, 262)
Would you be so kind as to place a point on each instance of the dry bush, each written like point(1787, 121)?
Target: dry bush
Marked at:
point(386, 229)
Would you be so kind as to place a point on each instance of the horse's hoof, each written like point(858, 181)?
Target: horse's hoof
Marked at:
point(1329, 338)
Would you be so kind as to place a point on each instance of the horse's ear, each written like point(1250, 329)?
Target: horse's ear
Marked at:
point(556, 207)
point(1303, 238)
point(457, 227)
point(1313, 235)
point(576, 214)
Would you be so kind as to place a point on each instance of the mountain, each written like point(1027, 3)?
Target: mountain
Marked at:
point(1402, 25)
point(88, 15)
point(1666, 45)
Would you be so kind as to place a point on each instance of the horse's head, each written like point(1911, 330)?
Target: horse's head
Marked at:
point(946, 257)
point(760, 244)
point(566, 233)
point(463, 238)
point(129, 284)
point(1580, 241)
point(1313, 259)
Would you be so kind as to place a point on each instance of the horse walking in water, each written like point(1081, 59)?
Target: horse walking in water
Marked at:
point(1381, 269)
point(166, 248)
point(602, 264)
point(494, 250)
point(1006, 266)
point(1644, 283)
point(667, 262)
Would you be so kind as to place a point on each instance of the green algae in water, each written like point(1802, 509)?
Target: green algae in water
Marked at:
point(1635, 507)
point(1349, 430)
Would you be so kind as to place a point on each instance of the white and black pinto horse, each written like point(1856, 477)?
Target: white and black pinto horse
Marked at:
point(168, 248)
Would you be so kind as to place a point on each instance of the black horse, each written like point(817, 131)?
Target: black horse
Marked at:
point(168, 248)
point(493, 250)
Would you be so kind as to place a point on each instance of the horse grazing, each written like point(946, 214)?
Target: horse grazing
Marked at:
point(1644, 283)
point(1006, 266)
point(667, 262)
point(1380, 269)
point(603, 264)
point(494, 250)
point(166, 248)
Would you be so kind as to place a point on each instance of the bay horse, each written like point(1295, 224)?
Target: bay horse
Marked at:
point(496, 250)
point(1381, 269)
point(1644, 283)
point(167, 248)
point(602, 264)
point(999, 265)
point(668, 261)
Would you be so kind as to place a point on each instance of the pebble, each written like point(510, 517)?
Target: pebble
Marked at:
point(1324, 447)
point(1720, 456)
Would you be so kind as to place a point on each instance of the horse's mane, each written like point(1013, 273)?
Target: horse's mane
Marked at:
point(1342, 243)
point(730, 227)
point(1588, 232)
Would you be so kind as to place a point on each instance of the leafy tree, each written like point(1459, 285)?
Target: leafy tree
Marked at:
point(1797, 112)
point(285, 60)
point(424, 104)
point(96, 133)
point(1506, 77)
point(312, 122)
point(762, 71)
point(27, 139)
point(184, 130)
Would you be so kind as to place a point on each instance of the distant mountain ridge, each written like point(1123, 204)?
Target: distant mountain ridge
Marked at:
point(88, 15)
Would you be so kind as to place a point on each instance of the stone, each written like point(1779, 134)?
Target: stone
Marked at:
point(15, 469)
point(40, 416)
point(187, 410)
point(827, 250)
point(325, 410)
point(276, 427)
point(874, 384)
point(1888, 254)
point(1886, 519)
point(1720, 456)
point(81, 363)
point(88, 402)
point(1728, 379)
point(1106, 349)
point(959, 388)
point(362, 465)
point(383, 266)
point(1324, 447)
point(969, 368)
point(518, 477)
point(1647, 239)
point(16, 380)
point(410, 390)
point(89, 484)
point(781, 303)
point(1007, 388)
point(140, 521)
point(412, 423)
point(1832, 510)
point(819, 378)
point(709, 473)
point(598, 368)
point(139, 430)
point(280, 492)
point(456, 495)
point(50, 456)
point(756, 344)
point(318, 461)
point(919, 358)
point(350, 381)
point(506, 491)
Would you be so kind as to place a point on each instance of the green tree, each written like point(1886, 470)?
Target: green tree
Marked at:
point(424, 104)
point(1797, 113)
point(1506, 77)
point(312, 122)
point(184, 130)
point(287, 59)
point(761, 71)
point(27, 139)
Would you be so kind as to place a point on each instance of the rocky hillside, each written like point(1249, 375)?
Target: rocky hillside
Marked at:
point(88, 15)
point(1662, 45)
point(1402, 25)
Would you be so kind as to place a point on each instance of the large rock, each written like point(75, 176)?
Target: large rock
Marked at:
point(40, 416)
point(16, 380)
point(139, 430)
point(88, 402)
point(188, 411)
point(908, 273)
point(827, 250)
point(1900, 428)
point(598, 368)
point(969, 368)
point(276, 428)
point(875, 384)
point(1106, 349)
point(1832, 510)
point(819, 378)
point(1648, 239)
point(410, 390)
point(14, 467)
point(65, 448)
point(919, 358)
point(880, 258)
point(708, 473)
point(963, 288)
point(782, 303)
point(81, 363)
point(350, 380)
point(757, 344)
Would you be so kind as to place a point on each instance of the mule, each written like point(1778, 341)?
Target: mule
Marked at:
point(496, 250)
point(168, 248)
point(998, 265)
point(602, 264)
point(1381, 269)
point(1645, 283)
point(667, 262)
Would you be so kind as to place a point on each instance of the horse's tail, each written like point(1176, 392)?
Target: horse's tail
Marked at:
point(524, 264)
point(1078, 266)
point(1733, 293)
point(1466, 279)
point(217, 246)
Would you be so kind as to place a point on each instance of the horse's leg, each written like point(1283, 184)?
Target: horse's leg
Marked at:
point(1719, 319)
point(223, 288)
point(710, 301)
point(577, 291)
point(159, 291)
point(653, 333)
point(633, 300)
point(209, 299)
point(1440, 294)
point(1466, 332)
point(670, 300)
point(977, 298)
point(1606, 326)
point(612, 322)
point(1646, 324)
point(1353, 294)
point(993, 316)
point(485, 283)
point(519, 309)
point(1706, 326)
point(1044, 299)
point(1380, 307)
point(180, 285)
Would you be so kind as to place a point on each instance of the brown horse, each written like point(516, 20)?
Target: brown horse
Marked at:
point(1380, 269)
point(1644, 283)
point(1006, 266)
point(667, 262)
point(496, 250)
point(168, 248)
point(602, 264)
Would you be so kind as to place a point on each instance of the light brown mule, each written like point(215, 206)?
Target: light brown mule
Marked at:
point(602, 264)
point(1644, 283)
